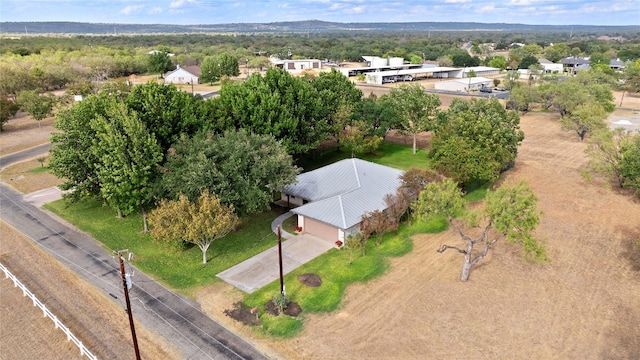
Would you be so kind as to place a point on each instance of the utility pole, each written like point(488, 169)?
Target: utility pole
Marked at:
point(280, 260)
point(126, 296)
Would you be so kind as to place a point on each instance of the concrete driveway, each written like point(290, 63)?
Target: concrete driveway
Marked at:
point(260, 270)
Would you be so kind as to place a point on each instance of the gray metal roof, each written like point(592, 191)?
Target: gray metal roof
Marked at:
point(342, 192)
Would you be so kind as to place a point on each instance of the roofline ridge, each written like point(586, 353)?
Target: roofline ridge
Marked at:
point(355, 170)
point(344, 220)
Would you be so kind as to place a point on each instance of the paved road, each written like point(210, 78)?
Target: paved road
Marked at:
point(30, 153)
point(176, 318)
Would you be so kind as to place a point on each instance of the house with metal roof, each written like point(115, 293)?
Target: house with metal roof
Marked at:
point(183, 75)
point(331, 200)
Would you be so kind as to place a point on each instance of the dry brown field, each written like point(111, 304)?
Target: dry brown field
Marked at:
point(584, 304)
point(101, 325)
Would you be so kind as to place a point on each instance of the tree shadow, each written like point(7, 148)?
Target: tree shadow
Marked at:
point(630, 246)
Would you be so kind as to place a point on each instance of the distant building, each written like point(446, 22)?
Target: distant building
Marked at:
point(616, 64)
point(477, 70)
point(153, 52)
point(550, 67)
point(464, 85)
point(183, 75)
point(294, 66)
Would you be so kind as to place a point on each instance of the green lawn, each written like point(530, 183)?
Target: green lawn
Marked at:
point(394, 155)
point(182, 270)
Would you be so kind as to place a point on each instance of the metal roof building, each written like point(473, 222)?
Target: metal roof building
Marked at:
point(334, 198)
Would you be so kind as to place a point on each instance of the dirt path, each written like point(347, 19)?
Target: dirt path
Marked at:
point(100, 324)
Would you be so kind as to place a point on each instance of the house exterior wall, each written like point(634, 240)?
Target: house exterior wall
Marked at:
point(300, 65)
point(320, 229)
point(550, 68)
point(181, 76)
point(296, 201)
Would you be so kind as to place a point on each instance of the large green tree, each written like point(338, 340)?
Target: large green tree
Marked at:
point(287, 107)
point(416, 110)
point(166, 111)
point(159, 63)
point(72, 155)
point(129, 160)
point(217, 67)
point(336, 92)
point(475, 140)
point(239, 167)
point(200, 222)
point(509, 213)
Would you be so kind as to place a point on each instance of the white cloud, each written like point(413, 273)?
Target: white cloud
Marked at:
point(357, 9)
point(488, 8)
point(132, 9)
point(180, 3)
point(155, 10)
point(456, 1)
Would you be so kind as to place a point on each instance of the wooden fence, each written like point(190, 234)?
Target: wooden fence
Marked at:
point(46, 312)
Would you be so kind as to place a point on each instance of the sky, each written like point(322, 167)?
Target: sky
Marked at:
point(191, 12)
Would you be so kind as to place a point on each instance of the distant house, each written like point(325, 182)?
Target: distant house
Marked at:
point(294, 66)
point(574, 63)
point(464, 85)
point(616, 64)
point(183, 75)
point(332, 200)
point(550, 67)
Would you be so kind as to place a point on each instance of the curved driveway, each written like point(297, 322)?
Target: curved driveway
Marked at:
point(178, 319)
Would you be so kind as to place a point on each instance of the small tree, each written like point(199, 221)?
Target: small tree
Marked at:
point(585, 118)
point(413, 182)
point(38, 106)
point(356, 243)
point(8, 109)
point(630, 162)
point(397, 206)
point(509, 212)
point(199, 223)
point(604, 152)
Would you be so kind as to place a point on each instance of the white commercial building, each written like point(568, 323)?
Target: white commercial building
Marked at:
point(464, 85)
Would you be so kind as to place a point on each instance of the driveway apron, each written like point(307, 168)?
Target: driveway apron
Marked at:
point(262, 269)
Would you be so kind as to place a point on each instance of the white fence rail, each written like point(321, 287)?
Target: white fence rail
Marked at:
point(46, 312)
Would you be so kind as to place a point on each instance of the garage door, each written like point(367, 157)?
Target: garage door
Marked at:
point(321, 230)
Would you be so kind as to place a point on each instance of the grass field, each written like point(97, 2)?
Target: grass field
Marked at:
point(179, 269)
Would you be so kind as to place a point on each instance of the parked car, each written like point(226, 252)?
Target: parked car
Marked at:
point(406, 78)
point(486, 90)
point(388, 79)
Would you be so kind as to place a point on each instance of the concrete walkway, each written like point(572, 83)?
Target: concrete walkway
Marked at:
point(278, 222)
point(262, 269)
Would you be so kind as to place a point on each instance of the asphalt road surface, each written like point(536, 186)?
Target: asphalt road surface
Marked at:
point(30, 153)
point(176, 318)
